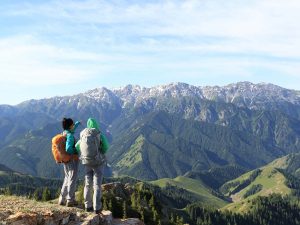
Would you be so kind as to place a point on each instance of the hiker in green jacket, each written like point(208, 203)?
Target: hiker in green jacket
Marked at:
point(94, 163)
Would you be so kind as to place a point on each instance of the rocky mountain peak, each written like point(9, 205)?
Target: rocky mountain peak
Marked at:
point(242, 94)
point(251, 95)
point(103, 94)
point(176, 90)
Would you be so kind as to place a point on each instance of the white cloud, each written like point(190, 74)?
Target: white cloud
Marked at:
point(77, 40)
point(269, 27)
point(25, 61)
point(256, 26)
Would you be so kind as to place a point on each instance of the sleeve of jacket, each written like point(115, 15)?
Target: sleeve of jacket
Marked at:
point(76, 125)
point(105, 144)
point(77, 146)
point(70, 144)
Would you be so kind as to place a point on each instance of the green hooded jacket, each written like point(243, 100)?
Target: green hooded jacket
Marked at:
point(92, 123)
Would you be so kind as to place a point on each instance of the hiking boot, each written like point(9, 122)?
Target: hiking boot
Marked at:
point(61, 201)
point(90, 209)
point(97, 211)
point(71, 203)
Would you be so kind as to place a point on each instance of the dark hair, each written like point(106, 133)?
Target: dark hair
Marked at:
point(67, 123)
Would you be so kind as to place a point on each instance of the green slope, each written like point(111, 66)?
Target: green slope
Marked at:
point(134, 155)
point(217, 176)
point(203, 193)
point(290, 163)
point(270, 179)
point(158, 145)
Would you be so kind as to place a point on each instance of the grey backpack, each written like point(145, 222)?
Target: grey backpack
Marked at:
point(90, 147)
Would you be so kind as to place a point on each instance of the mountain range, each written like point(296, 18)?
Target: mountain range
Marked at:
point(224, 147)
point(163, 131)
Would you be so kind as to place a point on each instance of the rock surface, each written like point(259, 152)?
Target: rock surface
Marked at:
point(130, 221)
point(20, 211)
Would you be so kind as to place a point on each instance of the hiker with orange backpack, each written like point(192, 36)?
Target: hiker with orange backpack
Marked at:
point(70, 162)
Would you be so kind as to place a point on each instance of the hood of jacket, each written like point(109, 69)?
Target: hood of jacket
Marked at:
point(92, 123)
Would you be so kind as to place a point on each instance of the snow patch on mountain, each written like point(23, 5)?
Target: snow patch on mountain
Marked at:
point(241, 94)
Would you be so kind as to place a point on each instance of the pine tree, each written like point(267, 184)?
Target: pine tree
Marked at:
point(133, 200)
point(177, 219)
point(139, 202)
point(139, 198)
point(7, 191)
point(105, 204)
point(151, 201)
point(36, 194)
point(17, 189)
point(172, 219)
point(124, 210)
point(46, 195)
point(142, 215)
point(155, 214)
point(180, 221)
point(110, 205)
point(29, 196)
point(57, 193)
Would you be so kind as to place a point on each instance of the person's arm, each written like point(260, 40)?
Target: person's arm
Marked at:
point(77, 146)
point(76, 125)
point(105, 144)
point(70, 144)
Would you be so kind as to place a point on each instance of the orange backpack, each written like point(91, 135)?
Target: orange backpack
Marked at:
point(59, 149)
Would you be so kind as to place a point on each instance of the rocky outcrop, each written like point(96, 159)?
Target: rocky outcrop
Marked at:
point(130, 221)
point(20, 211)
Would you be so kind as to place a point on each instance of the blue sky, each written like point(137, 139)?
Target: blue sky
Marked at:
point(50, 48)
